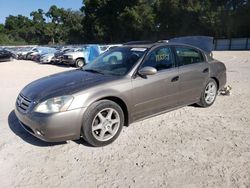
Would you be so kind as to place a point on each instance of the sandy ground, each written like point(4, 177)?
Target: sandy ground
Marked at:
point(189, 147)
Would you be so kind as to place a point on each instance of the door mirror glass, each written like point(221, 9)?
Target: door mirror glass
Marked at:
point(145, 71)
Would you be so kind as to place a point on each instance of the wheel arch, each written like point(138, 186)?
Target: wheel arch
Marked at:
point(217, 82)
point(82, 58)
point(122, 104)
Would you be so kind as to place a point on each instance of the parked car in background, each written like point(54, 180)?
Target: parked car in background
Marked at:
point(82, 56)
point(13, 51)
point(5, 55)
point(121, 86)
point(38, 51)
point(22, 53)
point(36, 57)
point(58, 55)
point(32, 53)
point(46, 58)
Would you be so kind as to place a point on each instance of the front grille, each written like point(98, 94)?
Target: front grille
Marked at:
point(65, 57)
point(23, 103)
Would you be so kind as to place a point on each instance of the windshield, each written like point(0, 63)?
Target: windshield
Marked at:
point(118, 61)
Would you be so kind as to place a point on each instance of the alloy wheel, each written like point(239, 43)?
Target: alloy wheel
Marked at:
point(80, 63)
point(106, 124)
point(210, 92)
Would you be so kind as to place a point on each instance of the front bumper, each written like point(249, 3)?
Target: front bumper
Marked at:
point(55, 127)
point(68, 61)
point(45, 60)
point(56, 59)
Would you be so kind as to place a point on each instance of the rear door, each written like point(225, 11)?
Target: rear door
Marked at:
point(158, 92)
point(193, 71)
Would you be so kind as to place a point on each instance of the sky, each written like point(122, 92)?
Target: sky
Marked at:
point(25, 7)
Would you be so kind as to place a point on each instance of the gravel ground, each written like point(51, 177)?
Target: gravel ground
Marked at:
point(189, 147)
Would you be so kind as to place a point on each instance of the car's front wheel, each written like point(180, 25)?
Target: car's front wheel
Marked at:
point(102, 123)
point(80, 62)
point(209, 94)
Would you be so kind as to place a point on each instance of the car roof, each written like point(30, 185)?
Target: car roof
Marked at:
point(156, 44)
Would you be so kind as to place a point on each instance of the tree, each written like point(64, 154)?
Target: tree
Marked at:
point(116, 21)
point(113, 21)
point(54, 27)
point(65, 25)
point(137, 23)
point(72, 26)
point(19, 27)
point(38, 25)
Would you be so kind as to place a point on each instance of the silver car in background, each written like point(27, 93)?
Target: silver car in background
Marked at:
point(123, 85)
point(46, 58)
point(83, 56)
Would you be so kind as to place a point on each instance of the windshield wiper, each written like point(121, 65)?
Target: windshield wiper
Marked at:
point(93, 71)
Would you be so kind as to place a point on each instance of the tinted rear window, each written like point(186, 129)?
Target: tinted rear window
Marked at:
point(187, 56)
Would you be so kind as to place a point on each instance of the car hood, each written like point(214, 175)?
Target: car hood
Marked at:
point(65, 83)
point(47, 55)
point(74, 53)
point(33, 53)
point(59, 53)
point(5, 53)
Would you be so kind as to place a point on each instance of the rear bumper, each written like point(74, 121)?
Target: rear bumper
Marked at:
point(55, 127)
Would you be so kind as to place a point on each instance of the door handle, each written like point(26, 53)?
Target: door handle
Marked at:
point(205, 70)
point(175, 79)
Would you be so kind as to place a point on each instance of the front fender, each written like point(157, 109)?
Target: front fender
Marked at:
point(87, 97)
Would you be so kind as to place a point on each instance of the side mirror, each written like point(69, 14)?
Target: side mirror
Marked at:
point(145, 71)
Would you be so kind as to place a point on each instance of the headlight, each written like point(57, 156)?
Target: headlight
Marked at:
point(70, 56)
point(53, 105)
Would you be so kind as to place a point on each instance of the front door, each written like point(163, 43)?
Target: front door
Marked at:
point(158, 92)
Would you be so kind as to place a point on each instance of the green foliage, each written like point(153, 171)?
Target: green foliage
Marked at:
point(56, 26)
point(116, 21)
point(65, 25)
point(113, 21)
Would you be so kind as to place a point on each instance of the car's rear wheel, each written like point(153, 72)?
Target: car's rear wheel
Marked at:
point(102, 123)
point(209, 94)
point(80, 62)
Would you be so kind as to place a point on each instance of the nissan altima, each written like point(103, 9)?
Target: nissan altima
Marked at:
point(123, 85)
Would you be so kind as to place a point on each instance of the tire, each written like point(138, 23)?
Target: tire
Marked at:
point(98, 129)
point(208, 92)
point(80, 63)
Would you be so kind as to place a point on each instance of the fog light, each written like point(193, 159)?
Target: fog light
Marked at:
point(40, 133)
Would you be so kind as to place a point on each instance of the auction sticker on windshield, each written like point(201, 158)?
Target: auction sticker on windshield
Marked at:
point(139, 49)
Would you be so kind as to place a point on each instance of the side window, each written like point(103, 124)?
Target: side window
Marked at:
point(113, 58)
point(187, 56)
point(161, 58)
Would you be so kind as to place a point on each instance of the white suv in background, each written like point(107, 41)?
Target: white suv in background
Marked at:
point(85, 54)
